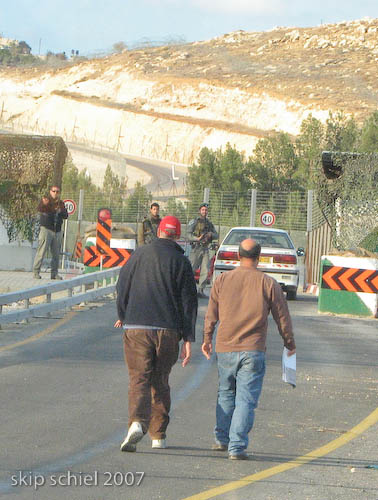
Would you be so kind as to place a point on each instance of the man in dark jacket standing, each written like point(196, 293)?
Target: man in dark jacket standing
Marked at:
point(52, 211)
point(157, 306)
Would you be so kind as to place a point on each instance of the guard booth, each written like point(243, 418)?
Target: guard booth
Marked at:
point(349, 274)
point(29, 164)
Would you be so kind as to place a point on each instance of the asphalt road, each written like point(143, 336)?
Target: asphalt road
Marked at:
point(160, 171)
point(64, 414)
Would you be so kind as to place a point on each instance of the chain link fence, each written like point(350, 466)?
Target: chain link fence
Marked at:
point(226, 209)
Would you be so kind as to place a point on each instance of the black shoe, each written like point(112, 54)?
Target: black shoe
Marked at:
point(201, 295)
point(219, 447)
point(239, 456)
point(56, 277)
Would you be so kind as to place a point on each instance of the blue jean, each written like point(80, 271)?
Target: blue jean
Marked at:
point(241, 377)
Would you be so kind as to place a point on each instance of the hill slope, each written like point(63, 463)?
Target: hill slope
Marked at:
point(169, 102)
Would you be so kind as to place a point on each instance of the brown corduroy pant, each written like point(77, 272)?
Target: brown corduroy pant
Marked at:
point(150, 355)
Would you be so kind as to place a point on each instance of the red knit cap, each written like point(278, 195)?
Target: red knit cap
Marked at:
point(170, 225)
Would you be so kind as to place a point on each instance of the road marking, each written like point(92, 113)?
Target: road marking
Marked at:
point(309, 457)
point(44, 332)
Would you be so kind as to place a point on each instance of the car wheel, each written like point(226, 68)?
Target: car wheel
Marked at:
point(291, 294)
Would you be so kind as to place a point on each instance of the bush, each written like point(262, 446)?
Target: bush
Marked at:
point(370, 242)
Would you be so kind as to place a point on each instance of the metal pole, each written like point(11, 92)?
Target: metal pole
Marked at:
point(206, 195)
point(310, 201)
point(308, 273)
point(253, 208)
point(64, 242)
point(80, 214)
point(81, 206)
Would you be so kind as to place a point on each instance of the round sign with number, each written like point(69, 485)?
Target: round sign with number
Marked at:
point(70, 206)
point(267, 218)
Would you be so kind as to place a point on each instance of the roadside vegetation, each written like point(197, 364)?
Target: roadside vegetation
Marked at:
point(279, 164)
point(18, 54)
point(281, 167)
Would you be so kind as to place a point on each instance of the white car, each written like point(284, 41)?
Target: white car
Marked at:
point(278, 256)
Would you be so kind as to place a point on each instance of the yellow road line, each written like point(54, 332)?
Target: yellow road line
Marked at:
point(44, 332)
point(319, 452)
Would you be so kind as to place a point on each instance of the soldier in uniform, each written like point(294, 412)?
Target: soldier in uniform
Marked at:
point(201, 232)
point(147, 231)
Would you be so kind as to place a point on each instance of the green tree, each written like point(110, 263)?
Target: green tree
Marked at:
point(225, 173)
point(341, 133)
point(111, 184)
point(309, 146)
point(175, 207)
point(369, 134)
point(234, 171)
point(114, 192)
point(204, 173)
point(73, 180)
point(137, 204)
point(274, 165)
point(222, 171)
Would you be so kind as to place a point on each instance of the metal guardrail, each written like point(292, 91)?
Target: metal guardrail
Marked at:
point(99, 280)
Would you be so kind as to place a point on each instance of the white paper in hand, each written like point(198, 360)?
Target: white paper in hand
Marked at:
point(289, 368)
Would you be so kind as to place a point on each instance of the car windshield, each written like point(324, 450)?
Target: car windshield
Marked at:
point(270, 239)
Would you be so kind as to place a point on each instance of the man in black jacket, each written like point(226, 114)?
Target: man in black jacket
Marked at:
point(157, 306)
point(52, 211)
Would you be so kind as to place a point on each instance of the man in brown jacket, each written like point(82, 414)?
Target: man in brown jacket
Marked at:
point(241, 301)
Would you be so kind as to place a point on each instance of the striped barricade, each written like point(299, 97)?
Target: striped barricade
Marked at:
point(349, 285)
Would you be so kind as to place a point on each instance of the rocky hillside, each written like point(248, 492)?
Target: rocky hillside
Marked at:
point(169, 102)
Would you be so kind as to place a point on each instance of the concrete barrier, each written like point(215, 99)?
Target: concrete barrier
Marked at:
point(349, 285)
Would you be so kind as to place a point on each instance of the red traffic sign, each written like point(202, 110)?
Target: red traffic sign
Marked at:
point(70, 206)
point(267, 218)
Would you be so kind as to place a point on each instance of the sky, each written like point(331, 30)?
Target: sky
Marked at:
point(94, 26)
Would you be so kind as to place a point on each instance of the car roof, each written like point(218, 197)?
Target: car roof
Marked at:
point(249, 228)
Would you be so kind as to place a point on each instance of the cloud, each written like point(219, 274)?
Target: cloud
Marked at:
point(257, 7)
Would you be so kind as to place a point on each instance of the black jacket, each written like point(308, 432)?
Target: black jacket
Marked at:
point(156, 287)
point(51, 216)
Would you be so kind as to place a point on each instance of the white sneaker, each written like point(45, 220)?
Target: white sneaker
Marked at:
point(159, 443)
point(134, 435)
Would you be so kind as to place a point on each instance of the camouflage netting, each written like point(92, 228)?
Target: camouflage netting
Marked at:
point(29, 159)
point(28, 165)
point(351, 200)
